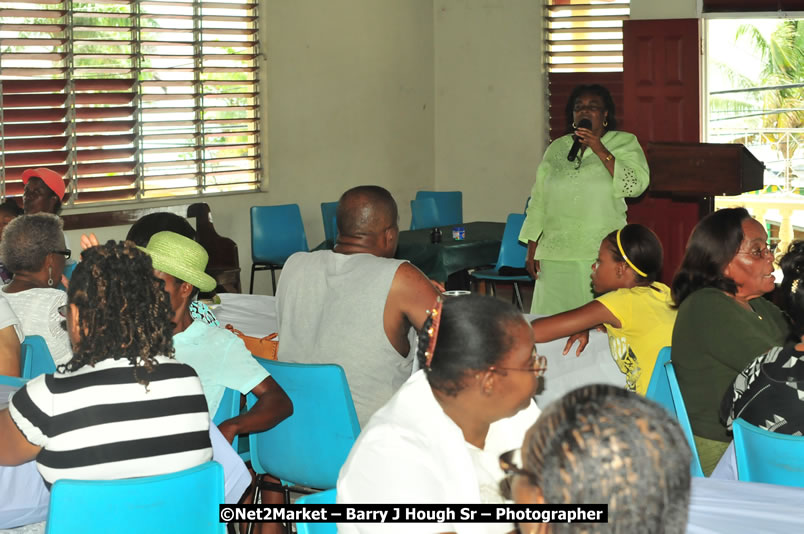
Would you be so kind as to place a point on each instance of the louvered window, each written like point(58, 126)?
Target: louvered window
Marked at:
point(130, 99)
point(585, 35)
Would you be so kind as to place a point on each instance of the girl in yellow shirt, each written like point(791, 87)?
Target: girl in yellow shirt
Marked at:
point(635, 309)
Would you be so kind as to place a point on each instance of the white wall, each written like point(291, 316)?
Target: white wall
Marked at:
point(407, 94)
point(490, 127)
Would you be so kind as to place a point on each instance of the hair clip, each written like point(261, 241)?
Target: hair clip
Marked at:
point(794, 285)
point(431, 331)
point(625, 257)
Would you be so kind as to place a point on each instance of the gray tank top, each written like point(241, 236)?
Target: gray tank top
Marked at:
point(330, 309)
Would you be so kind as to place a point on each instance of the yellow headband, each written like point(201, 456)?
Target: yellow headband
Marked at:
point(622, 253)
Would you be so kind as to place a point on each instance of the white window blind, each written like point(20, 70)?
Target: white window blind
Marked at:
point(585, 35)
point(130, 99)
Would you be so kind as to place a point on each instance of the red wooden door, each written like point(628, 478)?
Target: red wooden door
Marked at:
point(661, 89)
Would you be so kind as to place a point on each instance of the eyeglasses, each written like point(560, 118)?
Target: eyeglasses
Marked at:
point(66, 253)
point(538, 365)
point(758, 253)
point(594, 108)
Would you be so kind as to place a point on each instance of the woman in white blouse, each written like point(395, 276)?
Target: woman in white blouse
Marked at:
point(439, 437)
point(33, 249)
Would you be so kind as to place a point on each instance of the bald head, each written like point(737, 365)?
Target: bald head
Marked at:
point(365, 210)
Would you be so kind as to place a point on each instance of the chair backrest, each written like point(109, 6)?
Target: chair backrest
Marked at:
point(328, 212)
point(683, 418)
point(14, 381)
point(424, 214)
point(35, 358)
point(658, 387)
point(512, 252)
point(322, 497)
point(186, 501)
point(450, 205)
point(309, 447)
point(228, 408)
point(276, 233)
point(663, 389)
point(765, 456)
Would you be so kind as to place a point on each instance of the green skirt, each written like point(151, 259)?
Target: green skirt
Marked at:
point(562, 286)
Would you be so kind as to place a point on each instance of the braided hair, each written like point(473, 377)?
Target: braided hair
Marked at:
point(604, 444)
point(123, 309)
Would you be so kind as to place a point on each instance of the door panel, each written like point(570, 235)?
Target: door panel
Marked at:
point(661, 77)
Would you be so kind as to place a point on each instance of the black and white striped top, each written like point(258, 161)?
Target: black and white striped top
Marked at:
point(101, 424)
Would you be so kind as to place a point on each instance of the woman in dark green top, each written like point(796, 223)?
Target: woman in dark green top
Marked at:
point(722, 322)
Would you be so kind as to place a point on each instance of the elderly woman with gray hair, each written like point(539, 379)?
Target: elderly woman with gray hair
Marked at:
point(33, 249)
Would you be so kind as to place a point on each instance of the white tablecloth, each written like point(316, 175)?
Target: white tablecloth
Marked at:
point(254, 315)
point(565, 373)
point(718, 506)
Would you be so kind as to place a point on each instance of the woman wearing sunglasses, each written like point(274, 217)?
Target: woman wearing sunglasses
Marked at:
point(438, 439)
point(603, 444)
point(33, 249)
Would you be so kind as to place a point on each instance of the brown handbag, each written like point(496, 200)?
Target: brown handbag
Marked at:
point(265, 347)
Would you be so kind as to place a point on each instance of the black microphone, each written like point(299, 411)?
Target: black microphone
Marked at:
point(576, 143)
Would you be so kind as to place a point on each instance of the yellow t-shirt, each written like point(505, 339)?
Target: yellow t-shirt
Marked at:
point(647, 326)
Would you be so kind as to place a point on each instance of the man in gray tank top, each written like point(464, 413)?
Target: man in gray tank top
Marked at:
point(355, 305)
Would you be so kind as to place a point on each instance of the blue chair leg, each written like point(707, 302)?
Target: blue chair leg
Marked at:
point(251, 285)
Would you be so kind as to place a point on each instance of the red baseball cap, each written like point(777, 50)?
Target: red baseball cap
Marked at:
point(52, 179)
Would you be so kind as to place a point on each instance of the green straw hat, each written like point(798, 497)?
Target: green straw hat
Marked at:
point(181, 257)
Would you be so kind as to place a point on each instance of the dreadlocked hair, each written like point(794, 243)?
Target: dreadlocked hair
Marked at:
point(123, 309)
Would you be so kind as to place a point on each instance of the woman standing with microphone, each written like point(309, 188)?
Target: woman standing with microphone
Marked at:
point(578, 198)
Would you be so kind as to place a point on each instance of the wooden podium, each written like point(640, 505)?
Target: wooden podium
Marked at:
point(685, 178)
point(703, 169)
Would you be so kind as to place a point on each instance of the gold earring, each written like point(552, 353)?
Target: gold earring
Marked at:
point(605, 123)
point(574, 126)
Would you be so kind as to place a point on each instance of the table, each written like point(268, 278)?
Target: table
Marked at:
point(565, 373)
point(439, 260)
point(255, 315)
point(736, 507)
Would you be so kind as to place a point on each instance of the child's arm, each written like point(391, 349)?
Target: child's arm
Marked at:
point(572, 322)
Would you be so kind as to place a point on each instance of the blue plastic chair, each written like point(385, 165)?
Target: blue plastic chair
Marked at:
point(450, 205)
point(328, 213)
point(512, 254)
point(663, 389)
point(308, 448)
point(322, 497)
point(424, 214)
point(683, 418)
point(35, 357)
point(658, 387)
point(769, 457)
point(14, 381)
point(228, 408)
point(277, 232)
point(182, 502)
